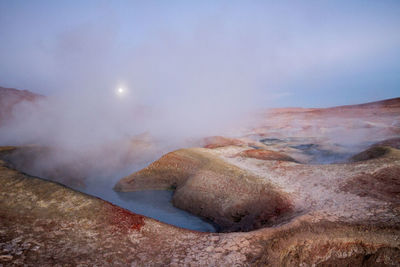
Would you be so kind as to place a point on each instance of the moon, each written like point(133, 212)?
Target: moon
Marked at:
point(120, 92)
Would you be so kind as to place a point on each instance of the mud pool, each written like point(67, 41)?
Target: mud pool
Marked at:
point(155, 204)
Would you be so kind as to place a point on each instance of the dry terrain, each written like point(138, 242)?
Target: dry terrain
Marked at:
point(301, 187)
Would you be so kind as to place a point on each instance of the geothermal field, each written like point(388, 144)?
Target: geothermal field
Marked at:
point(310, 186)
point(224, 133)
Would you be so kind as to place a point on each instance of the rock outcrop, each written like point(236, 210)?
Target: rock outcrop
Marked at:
point(220, 141)
point(264, 154)
point(209, 187)
point(392, 142)
point(383, 184)
point(217, 186)
point(45, 224)
point(373, 153)
point(386, 148)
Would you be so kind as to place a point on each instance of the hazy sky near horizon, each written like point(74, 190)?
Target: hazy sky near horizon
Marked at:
point(255, 53)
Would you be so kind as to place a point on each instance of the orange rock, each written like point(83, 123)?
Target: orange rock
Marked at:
point(214, 189)
point(393, 142)
point(220, 141)
point(384, 184)
point(264, 154)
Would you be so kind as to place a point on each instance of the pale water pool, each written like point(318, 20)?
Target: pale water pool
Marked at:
point(155, 204)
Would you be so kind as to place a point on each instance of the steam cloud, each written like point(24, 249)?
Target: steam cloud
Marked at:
point(188, 70)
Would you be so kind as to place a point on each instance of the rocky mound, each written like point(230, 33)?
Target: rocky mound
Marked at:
point(220, 141)
point(45, 224)
point(166, 173)
point(393, 142)
point(371, 153)
point(209, 187)
point(383, 184)
point(264, 154)
point(387, 148)
point(224, 189)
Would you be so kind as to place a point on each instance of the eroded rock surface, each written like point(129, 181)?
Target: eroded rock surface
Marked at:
point(326, 135)
point(265, 154)
point(46, 224)
point(214, 189)
point(205, 186)
point(392, 142)
point(221, 141)
point(383, 184)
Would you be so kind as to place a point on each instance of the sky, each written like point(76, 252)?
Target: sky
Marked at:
point(208, 56)
point(187, 70)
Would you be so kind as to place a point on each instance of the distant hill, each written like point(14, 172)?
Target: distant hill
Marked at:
point(391, 104)
point(9, 97)
point(387, 103)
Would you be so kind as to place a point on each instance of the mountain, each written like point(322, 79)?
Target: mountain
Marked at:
point(10, 98)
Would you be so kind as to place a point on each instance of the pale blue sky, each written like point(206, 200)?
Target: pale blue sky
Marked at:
point(255, 53)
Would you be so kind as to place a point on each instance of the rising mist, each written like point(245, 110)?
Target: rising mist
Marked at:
point(188, 70)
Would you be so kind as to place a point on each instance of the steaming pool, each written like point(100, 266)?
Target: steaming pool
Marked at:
point(155, 204)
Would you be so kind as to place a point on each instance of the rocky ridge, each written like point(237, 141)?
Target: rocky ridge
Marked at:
point(48, 224)
point(209, 187)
